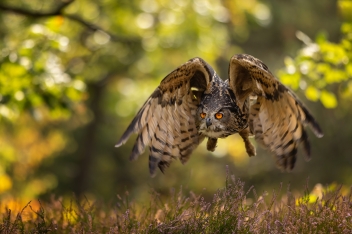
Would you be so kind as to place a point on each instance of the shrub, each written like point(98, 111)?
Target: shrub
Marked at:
point(230, 211)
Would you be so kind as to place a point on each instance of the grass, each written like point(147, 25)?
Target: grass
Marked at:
point(230, 211)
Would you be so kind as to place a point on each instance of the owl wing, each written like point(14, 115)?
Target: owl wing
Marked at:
point(277, 118)
point(166, 121)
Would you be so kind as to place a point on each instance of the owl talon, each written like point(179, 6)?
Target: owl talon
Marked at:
point(211, 144)
point(250, 149)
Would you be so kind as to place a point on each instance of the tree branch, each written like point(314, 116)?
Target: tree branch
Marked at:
point(37, 14)
point(58, 11)
point(94, 28)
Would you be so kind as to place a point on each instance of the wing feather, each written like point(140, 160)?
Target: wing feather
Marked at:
point(166, 121)
point(277, 118)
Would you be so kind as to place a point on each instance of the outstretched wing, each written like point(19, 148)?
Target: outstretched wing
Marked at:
point(166, 121)
point(277, 118)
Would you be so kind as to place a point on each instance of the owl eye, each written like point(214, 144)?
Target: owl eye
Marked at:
point(218, 115)
point(202, 115)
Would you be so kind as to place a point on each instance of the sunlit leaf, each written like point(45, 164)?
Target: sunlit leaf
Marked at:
point(291, 80)
point(6, 183)
point(328, 99)
point(312, 93)
point(346, 27)
point(321, 38)
point(335, 76)
point(345, 7)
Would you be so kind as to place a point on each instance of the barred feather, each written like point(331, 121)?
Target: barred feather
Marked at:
point(166, 122)
point(277, 118)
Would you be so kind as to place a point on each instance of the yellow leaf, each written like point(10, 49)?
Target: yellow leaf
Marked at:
point(345, 8)
point(328, 99)
point(5, 183)
point(312, 93)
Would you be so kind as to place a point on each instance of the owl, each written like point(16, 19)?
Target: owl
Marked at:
point(193, 103)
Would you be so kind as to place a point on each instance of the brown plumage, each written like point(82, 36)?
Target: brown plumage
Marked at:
point(192, 103)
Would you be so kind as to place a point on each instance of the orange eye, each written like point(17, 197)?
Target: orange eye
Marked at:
point(218, 115)
point(202, 115)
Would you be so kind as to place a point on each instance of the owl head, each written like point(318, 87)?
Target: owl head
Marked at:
point(218, 114)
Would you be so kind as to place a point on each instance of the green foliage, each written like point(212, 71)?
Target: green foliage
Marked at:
point(61, 66)
point(322, 68)
point(33, 75)
point(232, 210)
point(73, 74)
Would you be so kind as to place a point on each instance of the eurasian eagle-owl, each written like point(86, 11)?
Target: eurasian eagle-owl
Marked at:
point(193, 102)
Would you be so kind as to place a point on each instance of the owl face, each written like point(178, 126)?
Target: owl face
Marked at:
point(214, 119)
point(218, 115)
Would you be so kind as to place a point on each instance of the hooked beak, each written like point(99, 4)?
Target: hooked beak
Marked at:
point(208, 122)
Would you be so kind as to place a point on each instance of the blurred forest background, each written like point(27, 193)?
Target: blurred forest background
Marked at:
point(74, 73)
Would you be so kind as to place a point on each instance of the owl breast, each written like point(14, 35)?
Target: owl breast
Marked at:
point(214, 132)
